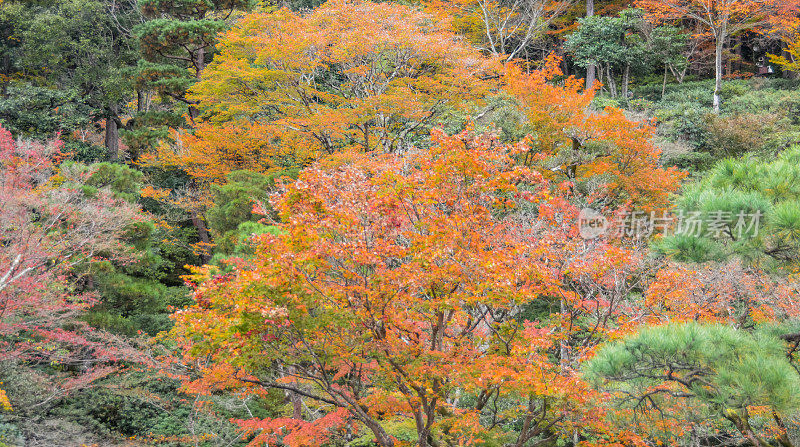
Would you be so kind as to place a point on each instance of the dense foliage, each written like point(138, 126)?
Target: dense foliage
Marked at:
point(437, 224)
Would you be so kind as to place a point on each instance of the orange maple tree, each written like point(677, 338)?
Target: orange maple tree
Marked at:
point(401, 281)
point(396, 293)
point(613, 157)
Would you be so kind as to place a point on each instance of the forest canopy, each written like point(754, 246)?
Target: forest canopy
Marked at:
point(440, 223)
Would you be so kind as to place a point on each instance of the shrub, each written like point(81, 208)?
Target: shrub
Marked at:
point(690, 161)
point(729, 136)
point(747, 186)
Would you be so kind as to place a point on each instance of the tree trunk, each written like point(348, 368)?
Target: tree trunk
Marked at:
point(112, 134)
point(142, 101)
point(203, 234)
point(626, 81)
point(612, 85)
point(199, 62)
point(590, 69)
point(297, 405)
point(664, 86)
point(783, 432)
point(720, 45)
point(600, 73)
point(742, 423)
point(381, 437)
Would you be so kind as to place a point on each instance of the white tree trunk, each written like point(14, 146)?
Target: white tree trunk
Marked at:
point(720, 44)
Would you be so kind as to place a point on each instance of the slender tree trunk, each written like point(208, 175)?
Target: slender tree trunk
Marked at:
point(664, 86)
point(112, 133)
point(720, 45)
point(612, 85)
point(590, 69)
point(142, 101)
point(600, 74)
point(682, 75)
point(626, 77)
point(202, 232)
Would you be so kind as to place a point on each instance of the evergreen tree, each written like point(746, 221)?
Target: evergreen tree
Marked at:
point(691, 373)
point(66, 65)
point(177, 42)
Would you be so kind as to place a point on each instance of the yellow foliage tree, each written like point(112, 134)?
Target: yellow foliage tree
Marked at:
point(790, 60)
point(5, 403)
point(286, 88)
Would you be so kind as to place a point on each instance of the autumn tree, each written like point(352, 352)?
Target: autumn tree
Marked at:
point(287, 87)
point(722, 19)
point(728, 293)
point(51, 234)
point(790, 59)
point(395, 293)
point(505, 28)
point(607, 159)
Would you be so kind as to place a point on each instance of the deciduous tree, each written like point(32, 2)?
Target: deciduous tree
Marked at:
point(722, 19)
point(50, 234)
point(508, 28)
point(790, 59)
point(286, 87)
point(607, 158)
point(395, 293)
